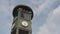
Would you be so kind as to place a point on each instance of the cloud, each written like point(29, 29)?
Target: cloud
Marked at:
point(57, 11)
point(37, 2)
point(47, 5)
point(44, 30)
point(5, 17)
point(52, 25)
point(41, 14)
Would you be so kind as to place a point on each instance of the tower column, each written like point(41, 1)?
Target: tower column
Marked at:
point(22, 20)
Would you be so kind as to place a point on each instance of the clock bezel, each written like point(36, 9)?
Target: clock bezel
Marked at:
point(23, 25)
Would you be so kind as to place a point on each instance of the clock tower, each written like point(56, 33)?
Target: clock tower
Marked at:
point(22, 20)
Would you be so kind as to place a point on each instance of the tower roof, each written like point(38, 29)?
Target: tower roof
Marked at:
point(15, 12)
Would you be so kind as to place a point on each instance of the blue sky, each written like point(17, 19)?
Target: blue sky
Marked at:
point(46, 18)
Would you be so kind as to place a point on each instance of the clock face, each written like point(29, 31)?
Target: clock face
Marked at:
point(24, 23)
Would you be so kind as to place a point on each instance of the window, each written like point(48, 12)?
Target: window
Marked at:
point(13, 31)
point(22, 32)
point(26, 16)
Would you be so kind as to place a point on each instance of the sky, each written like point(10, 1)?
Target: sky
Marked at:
point(46, 19)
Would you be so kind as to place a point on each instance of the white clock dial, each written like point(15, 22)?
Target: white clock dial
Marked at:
point(24, 23)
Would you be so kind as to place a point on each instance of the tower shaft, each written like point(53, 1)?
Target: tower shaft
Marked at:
point(22, 20)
